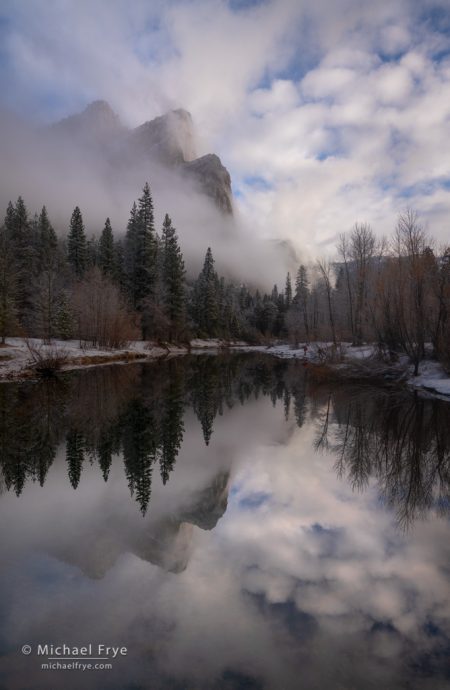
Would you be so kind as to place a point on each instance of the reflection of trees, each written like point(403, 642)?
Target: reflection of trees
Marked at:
point(137, 411)
point(29, 421)
point(401, 439)
point(139, 451)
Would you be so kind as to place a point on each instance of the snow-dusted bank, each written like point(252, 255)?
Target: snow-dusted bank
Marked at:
point(25, 358)
point(21, 359)
point(363, 362)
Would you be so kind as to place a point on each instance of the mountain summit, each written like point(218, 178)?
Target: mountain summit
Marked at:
point(167, 140)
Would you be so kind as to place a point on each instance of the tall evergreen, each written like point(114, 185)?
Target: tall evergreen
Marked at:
point(24, 258)
point(47, 242)
point(120, 276)
point(288, 291)
point(301, 297)
point(106, 256)
point(140, 250)
point(173, 279)
point(91, 253)
point(77, 246)
point(205, 298)
point(8, 286)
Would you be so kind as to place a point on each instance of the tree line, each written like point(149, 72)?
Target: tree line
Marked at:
point(395, 293)
point(110, 289)
point(107, 290)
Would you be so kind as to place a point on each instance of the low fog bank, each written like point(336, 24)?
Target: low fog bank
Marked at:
point(62, 172)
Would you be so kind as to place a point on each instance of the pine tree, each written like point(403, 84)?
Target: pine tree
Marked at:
point(24, 258)
point(301, 297)
point(47, 242)
point(172, 279)
point(106, 258)
point(205, 297)
point(8, 321)
point(288, 291)
point(140, 250)
point(10, 218)
point(77, 244)
point(77, 249)
point(119, 274)
point(91, 253)
point(64, 318)
point(47, 282)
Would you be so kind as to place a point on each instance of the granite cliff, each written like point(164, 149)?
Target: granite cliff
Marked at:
point(168, 141)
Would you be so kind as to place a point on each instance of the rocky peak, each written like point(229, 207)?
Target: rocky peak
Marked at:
point(213, 178)
point(97, 122)
point(169, 138)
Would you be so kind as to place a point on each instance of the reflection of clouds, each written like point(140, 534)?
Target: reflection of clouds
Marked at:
point(303, 582)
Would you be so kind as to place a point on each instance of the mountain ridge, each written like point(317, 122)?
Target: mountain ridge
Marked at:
point(167, 140)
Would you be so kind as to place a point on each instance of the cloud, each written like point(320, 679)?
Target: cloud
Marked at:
point(341, 108)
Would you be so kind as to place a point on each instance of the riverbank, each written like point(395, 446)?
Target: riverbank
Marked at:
point(22, 359)
point(364, 365)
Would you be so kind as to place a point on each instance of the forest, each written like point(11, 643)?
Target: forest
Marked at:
point(112, 288)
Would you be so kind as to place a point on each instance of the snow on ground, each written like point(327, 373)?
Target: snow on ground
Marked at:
point(313, 352)
point(432, 378)
point(16, 358)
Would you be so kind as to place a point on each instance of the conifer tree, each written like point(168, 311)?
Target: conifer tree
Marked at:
point(47, 282)
point(288, 291)
point(140, 251)
point(8, 321)
point(172, 278)
point(106, 258)
point(301, 297)
point(77, 249)
point(205, 298)
point(119, 275)
point(24, 256)
point(10, 218)
point(47, 242)
point(64, 318)
point(91, 253)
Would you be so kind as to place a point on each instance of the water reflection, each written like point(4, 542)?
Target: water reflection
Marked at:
point(261, 546)
point(137, 412)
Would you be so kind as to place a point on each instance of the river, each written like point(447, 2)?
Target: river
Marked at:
point(227, 522)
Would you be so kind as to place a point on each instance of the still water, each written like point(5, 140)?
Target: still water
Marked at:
point(231, 521)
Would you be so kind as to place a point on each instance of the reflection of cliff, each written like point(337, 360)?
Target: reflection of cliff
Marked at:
point(210, 504)
point(165, 541)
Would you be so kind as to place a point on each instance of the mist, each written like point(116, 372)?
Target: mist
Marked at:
point(51, 167)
